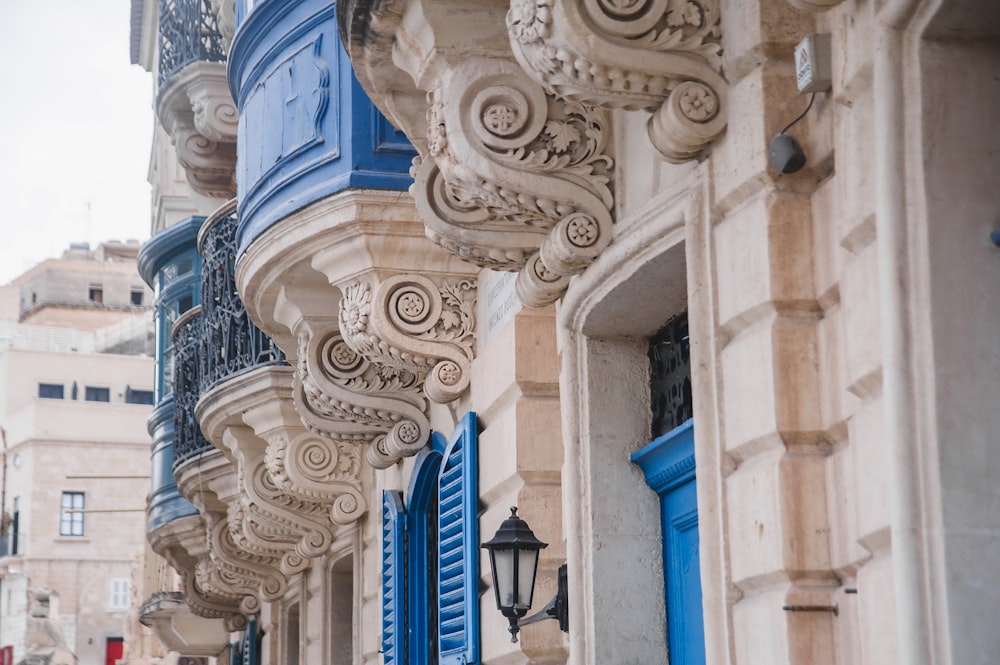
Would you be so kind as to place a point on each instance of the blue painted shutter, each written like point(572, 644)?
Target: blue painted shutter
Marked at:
point(458, 548)
point(393, 579)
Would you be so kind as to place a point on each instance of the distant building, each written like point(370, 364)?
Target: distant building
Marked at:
point(76, 389)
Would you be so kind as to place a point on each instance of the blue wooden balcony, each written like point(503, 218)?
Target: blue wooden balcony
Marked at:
point(307, 130)
point(170, 265)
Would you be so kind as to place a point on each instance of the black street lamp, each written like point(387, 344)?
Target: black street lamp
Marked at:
point(514, 560)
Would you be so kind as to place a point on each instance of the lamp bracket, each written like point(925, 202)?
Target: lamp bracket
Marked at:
point(557, 608)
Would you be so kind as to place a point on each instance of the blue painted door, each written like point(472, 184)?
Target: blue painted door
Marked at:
point(668, 464)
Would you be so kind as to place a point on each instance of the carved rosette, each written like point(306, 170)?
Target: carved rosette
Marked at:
point(256, 576)
point(661, 56)
point(343, 396)
point(268, 522)
point(514, 173)
point(318, 469)
point(412, 323)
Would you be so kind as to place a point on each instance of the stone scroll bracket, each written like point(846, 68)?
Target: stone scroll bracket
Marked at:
point(415, 324)
point(516, 176)
point(344, 397)
point(661, 56)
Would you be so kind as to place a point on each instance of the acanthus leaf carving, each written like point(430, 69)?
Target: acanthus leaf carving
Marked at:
point(513, 171)
point(662, 56)
point(412, 323)
point(344, 397)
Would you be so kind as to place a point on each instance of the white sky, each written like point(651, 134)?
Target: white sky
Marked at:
point(75, 128)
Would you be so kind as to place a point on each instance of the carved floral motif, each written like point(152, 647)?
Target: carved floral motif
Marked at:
point(662, 56)
point(411, 323)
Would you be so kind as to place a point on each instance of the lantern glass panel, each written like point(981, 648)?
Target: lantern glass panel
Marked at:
point(503, 569)
point(527, 561)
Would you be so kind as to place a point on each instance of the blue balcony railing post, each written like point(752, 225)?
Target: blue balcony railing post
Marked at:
point(189, 32)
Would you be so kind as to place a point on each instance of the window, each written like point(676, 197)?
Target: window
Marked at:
point(668, 465)
point(430, 557)
point(92, 394)
point(50, 390)
point(118, 597)
point(15, 527)
point(135, 297)
point(95, 293)
point(134, 396)
point(71, 514)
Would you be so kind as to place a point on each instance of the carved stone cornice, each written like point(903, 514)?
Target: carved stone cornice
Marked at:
point(197, 111)
point(661, 56)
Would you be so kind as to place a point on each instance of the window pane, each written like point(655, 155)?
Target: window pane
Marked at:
point(71, 524)
point(93, 394)
point(50, 390)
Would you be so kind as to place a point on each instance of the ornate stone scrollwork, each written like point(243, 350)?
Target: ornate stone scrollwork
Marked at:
point(208, 164)
point(318, 469)
point(209, 596)
point(414, 324)
point(661, 56)
point(514, 172)
point(343, 396)
point(243, 571)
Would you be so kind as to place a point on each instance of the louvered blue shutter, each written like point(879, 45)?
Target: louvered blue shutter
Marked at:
point(393, 579)
point(458, 548)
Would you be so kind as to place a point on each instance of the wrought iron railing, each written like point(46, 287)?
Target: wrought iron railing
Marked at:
point(232, 344)
point(670, 375)
point(189, 32)
point(188, 439)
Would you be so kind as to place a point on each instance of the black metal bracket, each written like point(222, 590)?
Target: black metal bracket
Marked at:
point(557, 608)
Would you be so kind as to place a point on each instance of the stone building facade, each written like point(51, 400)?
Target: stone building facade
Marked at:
point(751, 411)
point(75, 394)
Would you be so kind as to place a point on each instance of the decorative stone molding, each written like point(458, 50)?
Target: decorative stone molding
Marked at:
point(184, 544)
point(412, 323)
point(197, 111)
point(518, 173)
point(661, 56)
point(295, 278)
point(264, 519)
point(345, 397)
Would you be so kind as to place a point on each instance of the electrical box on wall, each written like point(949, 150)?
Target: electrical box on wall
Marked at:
point(813, 71)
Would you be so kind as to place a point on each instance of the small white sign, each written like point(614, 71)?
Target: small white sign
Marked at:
point(501, 301)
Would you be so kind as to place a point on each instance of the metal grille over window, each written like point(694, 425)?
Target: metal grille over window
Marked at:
point(232, 343)
point(670, 375)
point(188, 439)
point(189, 32)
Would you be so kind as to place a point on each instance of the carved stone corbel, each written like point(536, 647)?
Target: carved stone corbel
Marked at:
point(197, 111)
point(517, 179)
point(661, 56)
point(343, 396)
point(412, 323)
point(255, 576)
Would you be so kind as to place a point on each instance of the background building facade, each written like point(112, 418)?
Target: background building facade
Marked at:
point(75, 393)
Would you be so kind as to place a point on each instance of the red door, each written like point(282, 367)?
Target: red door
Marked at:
point(114, 651)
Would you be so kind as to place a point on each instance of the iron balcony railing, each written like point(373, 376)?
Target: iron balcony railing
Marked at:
point(189, 32)
point(232, 344)
point(187, 337)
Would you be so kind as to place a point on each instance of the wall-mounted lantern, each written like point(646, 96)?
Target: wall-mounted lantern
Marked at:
point(514, 561)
